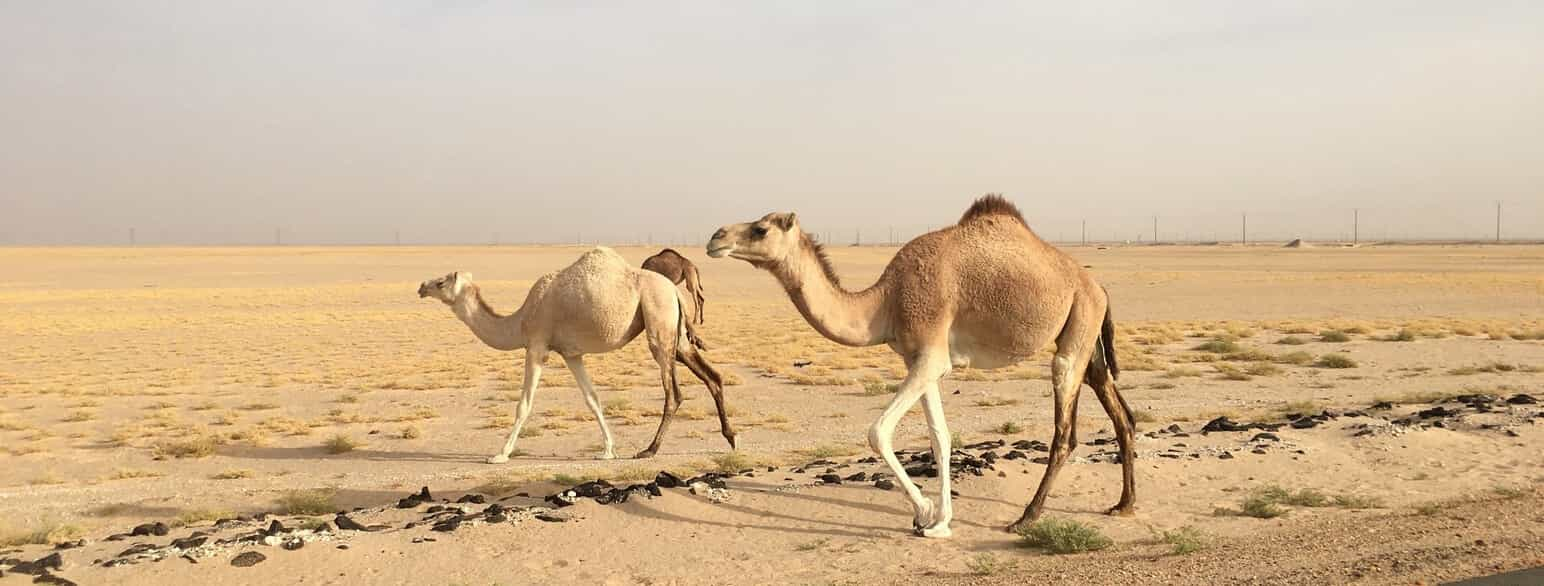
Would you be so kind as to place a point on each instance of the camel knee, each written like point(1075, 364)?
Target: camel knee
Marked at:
point(876, 438)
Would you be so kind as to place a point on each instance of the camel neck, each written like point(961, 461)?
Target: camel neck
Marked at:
point(501, 332)
point(844, 317)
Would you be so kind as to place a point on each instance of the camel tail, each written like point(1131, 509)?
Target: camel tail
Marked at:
point(1107, 343)
point(684, 327)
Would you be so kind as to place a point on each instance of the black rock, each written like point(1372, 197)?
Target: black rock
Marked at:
point(1265, 437)
point(1259, 450)
point(859, 477)
point(562, 499)
point(47, 578)
point(40, 566)
point(343, 546)
point(475, 499)
point(137, 549)
point(1381, 406)
point(1173, 428)
point(423, 494)
point(117, 537)
point(551, 518)
point(248, 559)
point(1225, 456)
point(70, 544)
point(667, 480)
point(1014, 455)
point(496, 518)
point(409, 503)
point(592, 489)
point(1221, 424)
point(1437, 411)
point(436, 509)
point(1305, 423)
point(926, 470)
point(447, 525)
point(1522, 399)
point(652, 489)
point(986, 445)
point(345, 523)
point(712, 479)
point(157, 529)
point(830, 479)
point(275, 528)
point(1042, 460)
point(884, 484)
point(190, 542)
point(802, 363)
point(293, 543)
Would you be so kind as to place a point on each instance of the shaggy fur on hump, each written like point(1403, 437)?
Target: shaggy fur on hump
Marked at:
point(992, 204)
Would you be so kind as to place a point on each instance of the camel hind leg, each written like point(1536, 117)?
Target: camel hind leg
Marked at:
point(704, 371)
point(663, 326)
point(694, 285)
point(1074, 347)
point(582, 378)
point(1099, 379)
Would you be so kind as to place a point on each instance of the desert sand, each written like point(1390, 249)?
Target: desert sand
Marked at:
point(189, 385)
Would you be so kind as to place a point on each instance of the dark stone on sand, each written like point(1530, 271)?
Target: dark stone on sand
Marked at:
point(667, 480)
point(248, 559)
point(859, 477)
point(190, 542)
point(1305, 423)
point(1437, 411)
point(1225, 456)
point(157, 529)
point(496, 518)
point(447, 525)
point(562, 499)
point(1522, 399)
point(884, 484)
point(275, 528)
point(435, 509)
point(137, 549)
point(986, 445)
point(47, 578)
point(830, 479)
point(343, 546)
point(117, 537)
point(1041, 460)
point(1265, 436)
point(1014, 455)
point(551, 518)
point(70, 544)
point(409, 503)
point(293, 544)
point(475, 499)
point(592, 489)
point(345, 523)
point(40, 566)
point(1259, 450)
point(1381, 406)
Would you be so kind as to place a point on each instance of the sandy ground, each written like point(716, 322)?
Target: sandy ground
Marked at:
point(116, 361)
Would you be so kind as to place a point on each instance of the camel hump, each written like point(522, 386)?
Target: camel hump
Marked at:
point(992, 204)
point(602, 254)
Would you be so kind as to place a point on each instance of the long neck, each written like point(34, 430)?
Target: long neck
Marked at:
point(845, 317)
point(501, 332)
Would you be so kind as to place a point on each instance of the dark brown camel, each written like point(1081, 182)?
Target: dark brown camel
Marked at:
point(676, 268)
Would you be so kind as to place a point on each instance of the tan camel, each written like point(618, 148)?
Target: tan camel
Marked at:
point(675, 267)
point(983, 293)
point(596, 305)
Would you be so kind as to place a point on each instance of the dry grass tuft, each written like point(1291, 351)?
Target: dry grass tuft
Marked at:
point(308, 502)
point(341, 444)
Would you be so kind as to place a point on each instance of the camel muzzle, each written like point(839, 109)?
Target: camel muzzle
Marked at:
point(423, 290)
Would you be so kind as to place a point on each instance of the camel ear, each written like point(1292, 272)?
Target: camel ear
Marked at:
point(784, 220)
point(459, 281)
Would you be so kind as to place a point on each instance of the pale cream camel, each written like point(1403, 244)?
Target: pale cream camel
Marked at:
point(984, 293)
point(596, 305)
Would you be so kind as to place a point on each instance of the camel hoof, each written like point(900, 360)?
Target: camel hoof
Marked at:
point(608, 455)
point(1016, 528)
point(939, 531)
point(1122, 511)
point(644, 455)
point(730, 437)
point(924, 517)
point(499, 459)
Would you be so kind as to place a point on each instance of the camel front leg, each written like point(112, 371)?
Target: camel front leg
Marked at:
point(923, 375)
point(582, 378)
point(933, 407)
point(1067, 381)
point(533, 360)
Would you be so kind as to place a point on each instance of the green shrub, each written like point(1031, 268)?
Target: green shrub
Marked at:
point(1062, 536)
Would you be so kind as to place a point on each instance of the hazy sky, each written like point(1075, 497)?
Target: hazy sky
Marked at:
point(216, 122)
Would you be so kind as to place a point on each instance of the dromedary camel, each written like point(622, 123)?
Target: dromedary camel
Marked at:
point(596, 305)
point(983, 293)
point(676, 268)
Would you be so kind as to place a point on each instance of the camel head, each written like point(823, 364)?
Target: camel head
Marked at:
point(772, 238)
point(447, 288)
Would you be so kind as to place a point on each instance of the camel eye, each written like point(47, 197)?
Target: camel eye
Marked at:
point(759, 231)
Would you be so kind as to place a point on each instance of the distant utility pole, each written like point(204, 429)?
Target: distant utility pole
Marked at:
point(1085, 232)
point(397, 237)
point(892, 236)
point(1356, 225)
point(1155, 229)
point(859, 241)
point(1244, 238)
point(1498, 222)
point(278, 239)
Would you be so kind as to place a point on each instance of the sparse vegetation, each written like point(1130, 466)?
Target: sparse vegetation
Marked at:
point(232, 474)
point(1403, 335)
point(307, 502)
point(878, 388)
point(1008, 428)
point(1185, 540)
point(1334, 336)
point(195, 447)
point(1266, 502)
point(986, 564)
point(1218, 346)
point(1063, 536)
point(1292, 341)
point(1335, 361)
point(410, 432)
point(340, 444)
point(732, 462)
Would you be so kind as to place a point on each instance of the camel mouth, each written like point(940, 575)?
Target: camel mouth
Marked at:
point(423, 290)
point(721, 251)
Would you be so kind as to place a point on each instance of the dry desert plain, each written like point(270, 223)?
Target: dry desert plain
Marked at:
point(187, 385)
